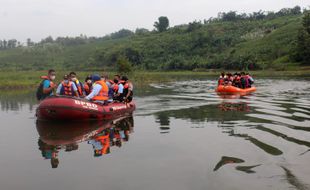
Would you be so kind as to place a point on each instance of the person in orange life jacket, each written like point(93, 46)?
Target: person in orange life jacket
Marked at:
point(228, 79)
point(110, 83)
point(128, 90)
point(78, 84)
point(221, 79)
point(101, 144)
point(88, 85)
point(116, 79)
point(236, 80)
point(100, 90)
point(48, 86)
point(67, 88)
point(118, 89)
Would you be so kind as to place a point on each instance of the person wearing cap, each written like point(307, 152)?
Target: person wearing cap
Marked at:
point(100, 91)
point(67, 88)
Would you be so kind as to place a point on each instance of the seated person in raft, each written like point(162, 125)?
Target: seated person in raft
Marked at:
point(67, 88)
point(239, 80)
point(99, 94)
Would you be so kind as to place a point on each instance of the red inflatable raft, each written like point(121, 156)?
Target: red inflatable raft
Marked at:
point(222, 89)
point(75, 109)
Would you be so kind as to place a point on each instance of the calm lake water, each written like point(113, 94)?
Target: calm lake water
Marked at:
point(182, 136)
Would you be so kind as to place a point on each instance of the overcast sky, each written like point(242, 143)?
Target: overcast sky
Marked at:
point(37, 19)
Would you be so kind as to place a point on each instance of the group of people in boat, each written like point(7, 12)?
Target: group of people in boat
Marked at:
point(99, 89)
point(240, 80)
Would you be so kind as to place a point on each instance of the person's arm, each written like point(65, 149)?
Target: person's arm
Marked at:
point(94, 92)
point(48, 87)
point(76, 93)
point(58, 89)
point(83, 89)
point(130, 88)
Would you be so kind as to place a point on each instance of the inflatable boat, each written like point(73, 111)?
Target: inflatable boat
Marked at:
point(231, 90)
point(76, 109)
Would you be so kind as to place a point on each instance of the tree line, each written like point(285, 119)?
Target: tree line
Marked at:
point(231, 41)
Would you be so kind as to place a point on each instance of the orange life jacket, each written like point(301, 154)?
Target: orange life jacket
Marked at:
point(105, 142)
point(67, 88)
point(221, 81)
point(79, 88)
point(87, 88)
point(103, 94)
point(115, 88)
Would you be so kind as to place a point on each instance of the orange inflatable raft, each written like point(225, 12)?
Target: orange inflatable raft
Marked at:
point(227, 89)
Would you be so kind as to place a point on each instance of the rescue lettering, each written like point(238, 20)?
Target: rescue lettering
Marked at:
point(86, 105)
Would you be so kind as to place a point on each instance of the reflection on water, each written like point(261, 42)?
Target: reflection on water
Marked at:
point(56, 138)
point(227, 160)
point(15, 100)
point(186, 137)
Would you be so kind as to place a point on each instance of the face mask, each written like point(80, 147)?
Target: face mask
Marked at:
point(66, 81)
point(52, 77)
point(115, 81)
point(73, 79)
point(102, 78)
point(89, 81)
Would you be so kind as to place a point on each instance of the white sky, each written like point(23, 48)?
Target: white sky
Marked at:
point(37, 19)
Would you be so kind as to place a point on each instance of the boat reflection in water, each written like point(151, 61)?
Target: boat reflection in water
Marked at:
point(234, 106)
point(101, 135)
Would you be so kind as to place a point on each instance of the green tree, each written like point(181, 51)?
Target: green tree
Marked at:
point(162, 24)
point(303, 41)
point(123, 65)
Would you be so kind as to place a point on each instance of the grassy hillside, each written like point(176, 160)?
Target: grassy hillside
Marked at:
point(238, 44)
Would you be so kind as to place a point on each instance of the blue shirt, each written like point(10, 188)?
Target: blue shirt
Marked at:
point(46, 84)
point(120, 88)
point(94, 92)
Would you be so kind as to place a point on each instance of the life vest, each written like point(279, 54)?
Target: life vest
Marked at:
point(67, 89)
point(87, 88)
point(105, 142)
point(39, 93)
point(126, 89)
point(103, 94)
point(79, 86)
point(221, 81)
point(115, 88)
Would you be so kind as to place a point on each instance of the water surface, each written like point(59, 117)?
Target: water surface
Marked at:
point(182, 136)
